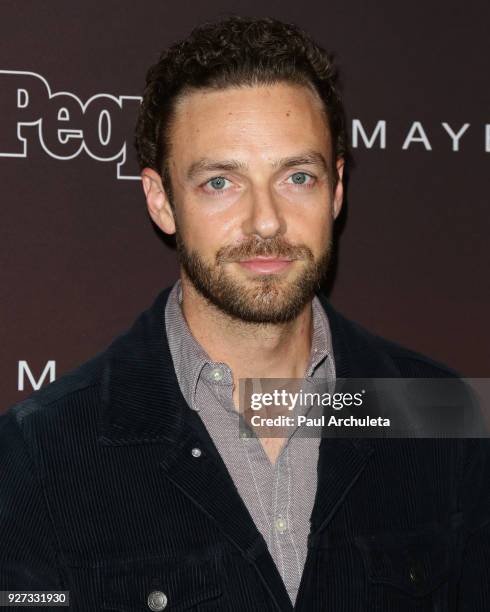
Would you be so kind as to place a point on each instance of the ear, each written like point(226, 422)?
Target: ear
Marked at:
point(338, 195)
point(157, 201)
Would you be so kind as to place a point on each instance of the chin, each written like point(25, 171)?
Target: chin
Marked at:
point(269, 301)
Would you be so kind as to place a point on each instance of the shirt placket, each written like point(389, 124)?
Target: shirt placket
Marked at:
point(282, 533)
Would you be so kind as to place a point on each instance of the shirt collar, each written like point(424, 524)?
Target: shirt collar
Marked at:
point(321, 345)
point(188, 355)
point(192, 363)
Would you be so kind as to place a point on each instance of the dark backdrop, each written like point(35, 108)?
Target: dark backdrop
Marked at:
point(80, 258)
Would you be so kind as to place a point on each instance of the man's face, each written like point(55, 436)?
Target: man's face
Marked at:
point(254, 199)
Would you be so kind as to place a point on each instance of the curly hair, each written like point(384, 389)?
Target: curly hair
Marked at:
point(234, 52)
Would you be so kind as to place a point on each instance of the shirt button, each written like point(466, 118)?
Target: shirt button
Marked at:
point(196, 452)
point(157, 600)
point(217, 374)
point(281, 525)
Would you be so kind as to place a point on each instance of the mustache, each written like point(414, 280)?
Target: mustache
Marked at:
point(268, 247)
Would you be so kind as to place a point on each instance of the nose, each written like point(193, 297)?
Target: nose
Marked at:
point(265, 218)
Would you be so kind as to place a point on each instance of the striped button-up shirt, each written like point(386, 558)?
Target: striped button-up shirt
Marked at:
point(279, 496)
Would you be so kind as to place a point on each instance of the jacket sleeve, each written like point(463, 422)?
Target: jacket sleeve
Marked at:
point(28, 558)
point(474, 588)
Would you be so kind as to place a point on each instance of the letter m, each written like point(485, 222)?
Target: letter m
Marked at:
point(379, 131)
point(24, 369)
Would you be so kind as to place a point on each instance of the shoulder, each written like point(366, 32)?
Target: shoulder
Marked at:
point(51, 407)
point(86, 379)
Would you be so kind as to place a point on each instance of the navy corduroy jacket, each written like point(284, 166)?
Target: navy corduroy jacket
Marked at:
point(101, 495)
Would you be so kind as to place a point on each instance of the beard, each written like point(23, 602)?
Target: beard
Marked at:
point(266, 298)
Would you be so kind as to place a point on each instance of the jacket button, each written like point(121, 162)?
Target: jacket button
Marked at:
point(157, 601)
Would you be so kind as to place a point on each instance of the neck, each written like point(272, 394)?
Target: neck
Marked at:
point(251, 350)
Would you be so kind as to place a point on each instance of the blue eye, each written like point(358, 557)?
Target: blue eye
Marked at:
point(218, 182)
point(300, 178)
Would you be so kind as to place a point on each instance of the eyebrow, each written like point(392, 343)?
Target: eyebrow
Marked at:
point(211, 165)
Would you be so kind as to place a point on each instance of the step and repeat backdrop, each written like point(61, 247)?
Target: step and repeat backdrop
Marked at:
point(80, 257)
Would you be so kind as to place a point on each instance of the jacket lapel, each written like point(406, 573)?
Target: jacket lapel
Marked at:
point(207, 483)
point(342, 460)
point(143, 404)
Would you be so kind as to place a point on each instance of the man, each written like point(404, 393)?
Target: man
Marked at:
point(126, 482)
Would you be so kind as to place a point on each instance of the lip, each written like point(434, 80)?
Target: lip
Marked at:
point(266, 265)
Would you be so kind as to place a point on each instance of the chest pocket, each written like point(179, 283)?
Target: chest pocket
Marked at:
point(139, 587)
point(409, 571)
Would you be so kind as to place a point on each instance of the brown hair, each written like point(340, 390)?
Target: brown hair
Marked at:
point(232, 53)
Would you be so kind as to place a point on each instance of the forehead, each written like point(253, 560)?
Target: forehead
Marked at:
point(256, 121)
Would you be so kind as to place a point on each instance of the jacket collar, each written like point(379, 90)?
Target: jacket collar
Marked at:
point(141, 398)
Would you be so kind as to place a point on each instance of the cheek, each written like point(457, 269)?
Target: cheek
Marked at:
point(201, 234)
point(209, 227)
point(312, 227)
